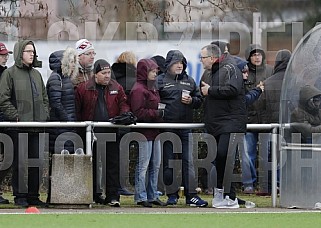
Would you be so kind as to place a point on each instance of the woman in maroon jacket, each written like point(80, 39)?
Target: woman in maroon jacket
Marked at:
point(144, 100)
point(100, 99)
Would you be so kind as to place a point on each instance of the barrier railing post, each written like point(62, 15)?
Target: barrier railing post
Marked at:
point(274, 165)
point(88, 138)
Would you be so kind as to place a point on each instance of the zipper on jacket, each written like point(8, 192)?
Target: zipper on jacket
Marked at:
point(33, 101)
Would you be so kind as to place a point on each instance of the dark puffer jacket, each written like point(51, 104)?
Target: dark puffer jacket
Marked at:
point(270, 99)
point(256, 74)
point(170, 90)
point(61, 94)
point(60, 91)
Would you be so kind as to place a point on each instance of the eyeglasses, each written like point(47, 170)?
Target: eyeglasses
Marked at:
point(90, 53)
point(204, 57)
point(316, 99)
point(29, 51)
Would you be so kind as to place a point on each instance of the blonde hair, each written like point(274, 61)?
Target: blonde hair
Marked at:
point(127, 57)
point(70, 54)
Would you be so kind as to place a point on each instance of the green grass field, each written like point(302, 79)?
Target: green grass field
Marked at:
point(112, 218)
point(232, 220)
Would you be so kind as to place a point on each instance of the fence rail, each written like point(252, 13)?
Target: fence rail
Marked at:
point(273, 127)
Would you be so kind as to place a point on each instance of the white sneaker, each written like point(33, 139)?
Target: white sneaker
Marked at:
point(225, 203)
point(114, 203)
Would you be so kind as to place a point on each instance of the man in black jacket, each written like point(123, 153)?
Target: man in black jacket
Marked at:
point(224, 116)
point(179, 93)
point(4, 56)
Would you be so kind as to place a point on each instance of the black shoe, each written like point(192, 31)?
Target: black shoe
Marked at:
point(3, 200)
point(37, 202)
point(125, 192)
point(158, 203)
point(99, 199)
point(21, 202)
point(145, 204)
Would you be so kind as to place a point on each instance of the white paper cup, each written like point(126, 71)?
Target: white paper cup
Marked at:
point(161, 106)
point(185, 93)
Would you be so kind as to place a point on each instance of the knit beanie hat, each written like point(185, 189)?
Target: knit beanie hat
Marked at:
point(100, 65)
point(83, 45)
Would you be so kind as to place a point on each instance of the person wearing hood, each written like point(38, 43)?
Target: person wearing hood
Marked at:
point(252, 95)
point(306, 118)
point(61, 96)
point(179, 93)
point(144, 99)
point(4, 56)
point(61, 93)
point(269, 102)
point(224, 117)
point(86, 54)
point(100, 99)
point(269, 105)
point(259, 71)
point(23, 98)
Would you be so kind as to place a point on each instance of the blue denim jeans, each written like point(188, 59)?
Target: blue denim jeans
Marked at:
point(148, 163)
point(249, 157)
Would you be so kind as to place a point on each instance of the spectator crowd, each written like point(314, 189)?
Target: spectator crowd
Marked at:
point(233, 92)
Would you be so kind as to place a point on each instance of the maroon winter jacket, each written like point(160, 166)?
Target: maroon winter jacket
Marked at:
point(144, 98)
point(86, 99)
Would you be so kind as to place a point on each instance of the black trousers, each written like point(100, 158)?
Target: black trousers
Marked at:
point(4, 172)
point(107, 152)
point(26, 187)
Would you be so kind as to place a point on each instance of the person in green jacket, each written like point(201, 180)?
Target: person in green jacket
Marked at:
point(23, 98)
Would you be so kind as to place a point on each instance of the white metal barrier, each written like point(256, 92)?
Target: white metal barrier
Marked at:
point(90, 125)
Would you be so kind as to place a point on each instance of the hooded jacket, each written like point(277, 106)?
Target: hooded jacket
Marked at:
point(170, 90)
point(306, 118)
point(144, 98)
point(61, 96)
point(60, 88)
point(270, 99)
point(256, 74)
point(225, 106)
point(23, 95)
